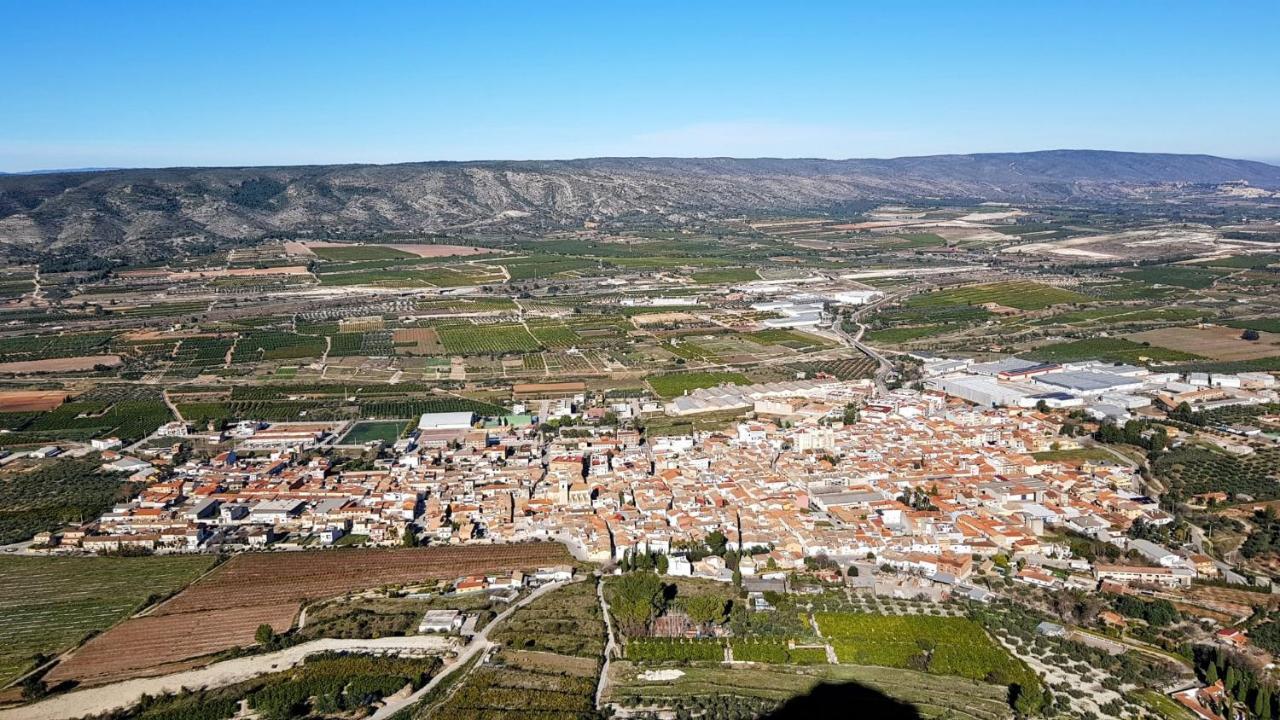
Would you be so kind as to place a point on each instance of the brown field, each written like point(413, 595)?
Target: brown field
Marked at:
point(427, 341)
point(1218, 343)
point(68, 364)
point(424, 250)
point(239, 272)
point(553, 663)
point(661, 318)
point(30, 400)
point(223, 609)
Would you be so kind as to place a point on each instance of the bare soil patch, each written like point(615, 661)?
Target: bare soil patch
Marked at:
point(223, 609)
point(418, 341)
point(30, 400)
point(70, 364)
point(1218, 343)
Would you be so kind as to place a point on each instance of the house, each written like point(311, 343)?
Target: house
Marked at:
point(440, 621)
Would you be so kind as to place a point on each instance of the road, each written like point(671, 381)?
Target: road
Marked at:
point(121, 695)
point(118, 696)
point(479, 643)
point(610, 648)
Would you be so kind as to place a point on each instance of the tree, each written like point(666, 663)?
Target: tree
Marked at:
point(717, 541)
point(662, 564)
point(703, 609)
point(1251, 335)
point(265, 634)
point(408, 537)
point(1211, 675)
point(638, 598)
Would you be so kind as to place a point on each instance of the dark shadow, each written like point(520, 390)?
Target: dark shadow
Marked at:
point(844, 700)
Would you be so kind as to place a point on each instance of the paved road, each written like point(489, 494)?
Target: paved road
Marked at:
point(479, 643)
point(117, 696)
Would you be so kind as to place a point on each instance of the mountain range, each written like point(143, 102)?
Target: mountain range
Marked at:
point(142, 211)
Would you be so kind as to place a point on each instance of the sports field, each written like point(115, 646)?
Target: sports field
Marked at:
point(363, 432)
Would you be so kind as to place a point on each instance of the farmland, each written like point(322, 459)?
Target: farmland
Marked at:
point(1112, 349)
point(676, 384)
point(1218, 343)
point(50, 604)
point(223, 609)
point(1022, 295)
point(939, 645)
point(53, 494)
point(486, 339)
point(565, 622)
point(932, 696)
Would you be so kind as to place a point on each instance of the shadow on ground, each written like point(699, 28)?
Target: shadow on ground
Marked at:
point(844, 700)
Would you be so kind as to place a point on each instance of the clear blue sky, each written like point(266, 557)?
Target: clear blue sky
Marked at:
point(109, 83)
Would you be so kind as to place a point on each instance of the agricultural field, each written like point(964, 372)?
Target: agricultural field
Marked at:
point(725, 275)
point(53, 494)
point(487, 339)
point(48, 604)
point(326, 686)
point(895, 335)
point(760, 688)
point(934, 644)
point(676, 384)
point(1109, 349)
point(1214, 342)
point(1022, 295)
point(1192, 278)
point(848, 369)
point(223, 609)
point(516, 685)
point(566, 621)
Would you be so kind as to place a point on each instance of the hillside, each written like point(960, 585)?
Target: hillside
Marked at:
point(105, 213)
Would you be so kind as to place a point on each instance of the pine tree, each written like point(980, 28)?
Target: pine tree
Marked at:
point(1211, 675)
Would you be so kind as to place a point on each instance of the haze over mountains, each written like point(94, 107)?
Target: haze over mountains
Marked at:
point(104, 212)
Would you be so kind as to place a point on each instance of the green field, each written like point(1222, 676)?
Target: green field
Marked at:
point(676, 384)
point(48, 604)
point(933, 696)
point(487, 339)
point(1193, 278)
point(794, 339)
point(1110, 349)
point(386, 431)
point(726, 275)
point(959, 646)
point(903, 334)
point(1022, 295)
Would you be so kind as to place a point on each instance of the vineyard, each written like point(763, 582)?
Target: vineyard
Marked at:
point(47, 604)
point(223, 609)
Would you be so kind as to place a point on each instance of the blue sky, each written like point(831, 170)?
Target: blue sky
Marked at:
point(109, 83)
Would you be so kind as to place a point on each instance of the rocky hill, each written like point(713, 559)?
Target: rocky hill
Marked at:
point(128, 212)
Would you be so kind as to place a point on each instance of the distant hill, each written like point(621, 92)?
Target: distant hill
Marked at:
point(132, 212)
